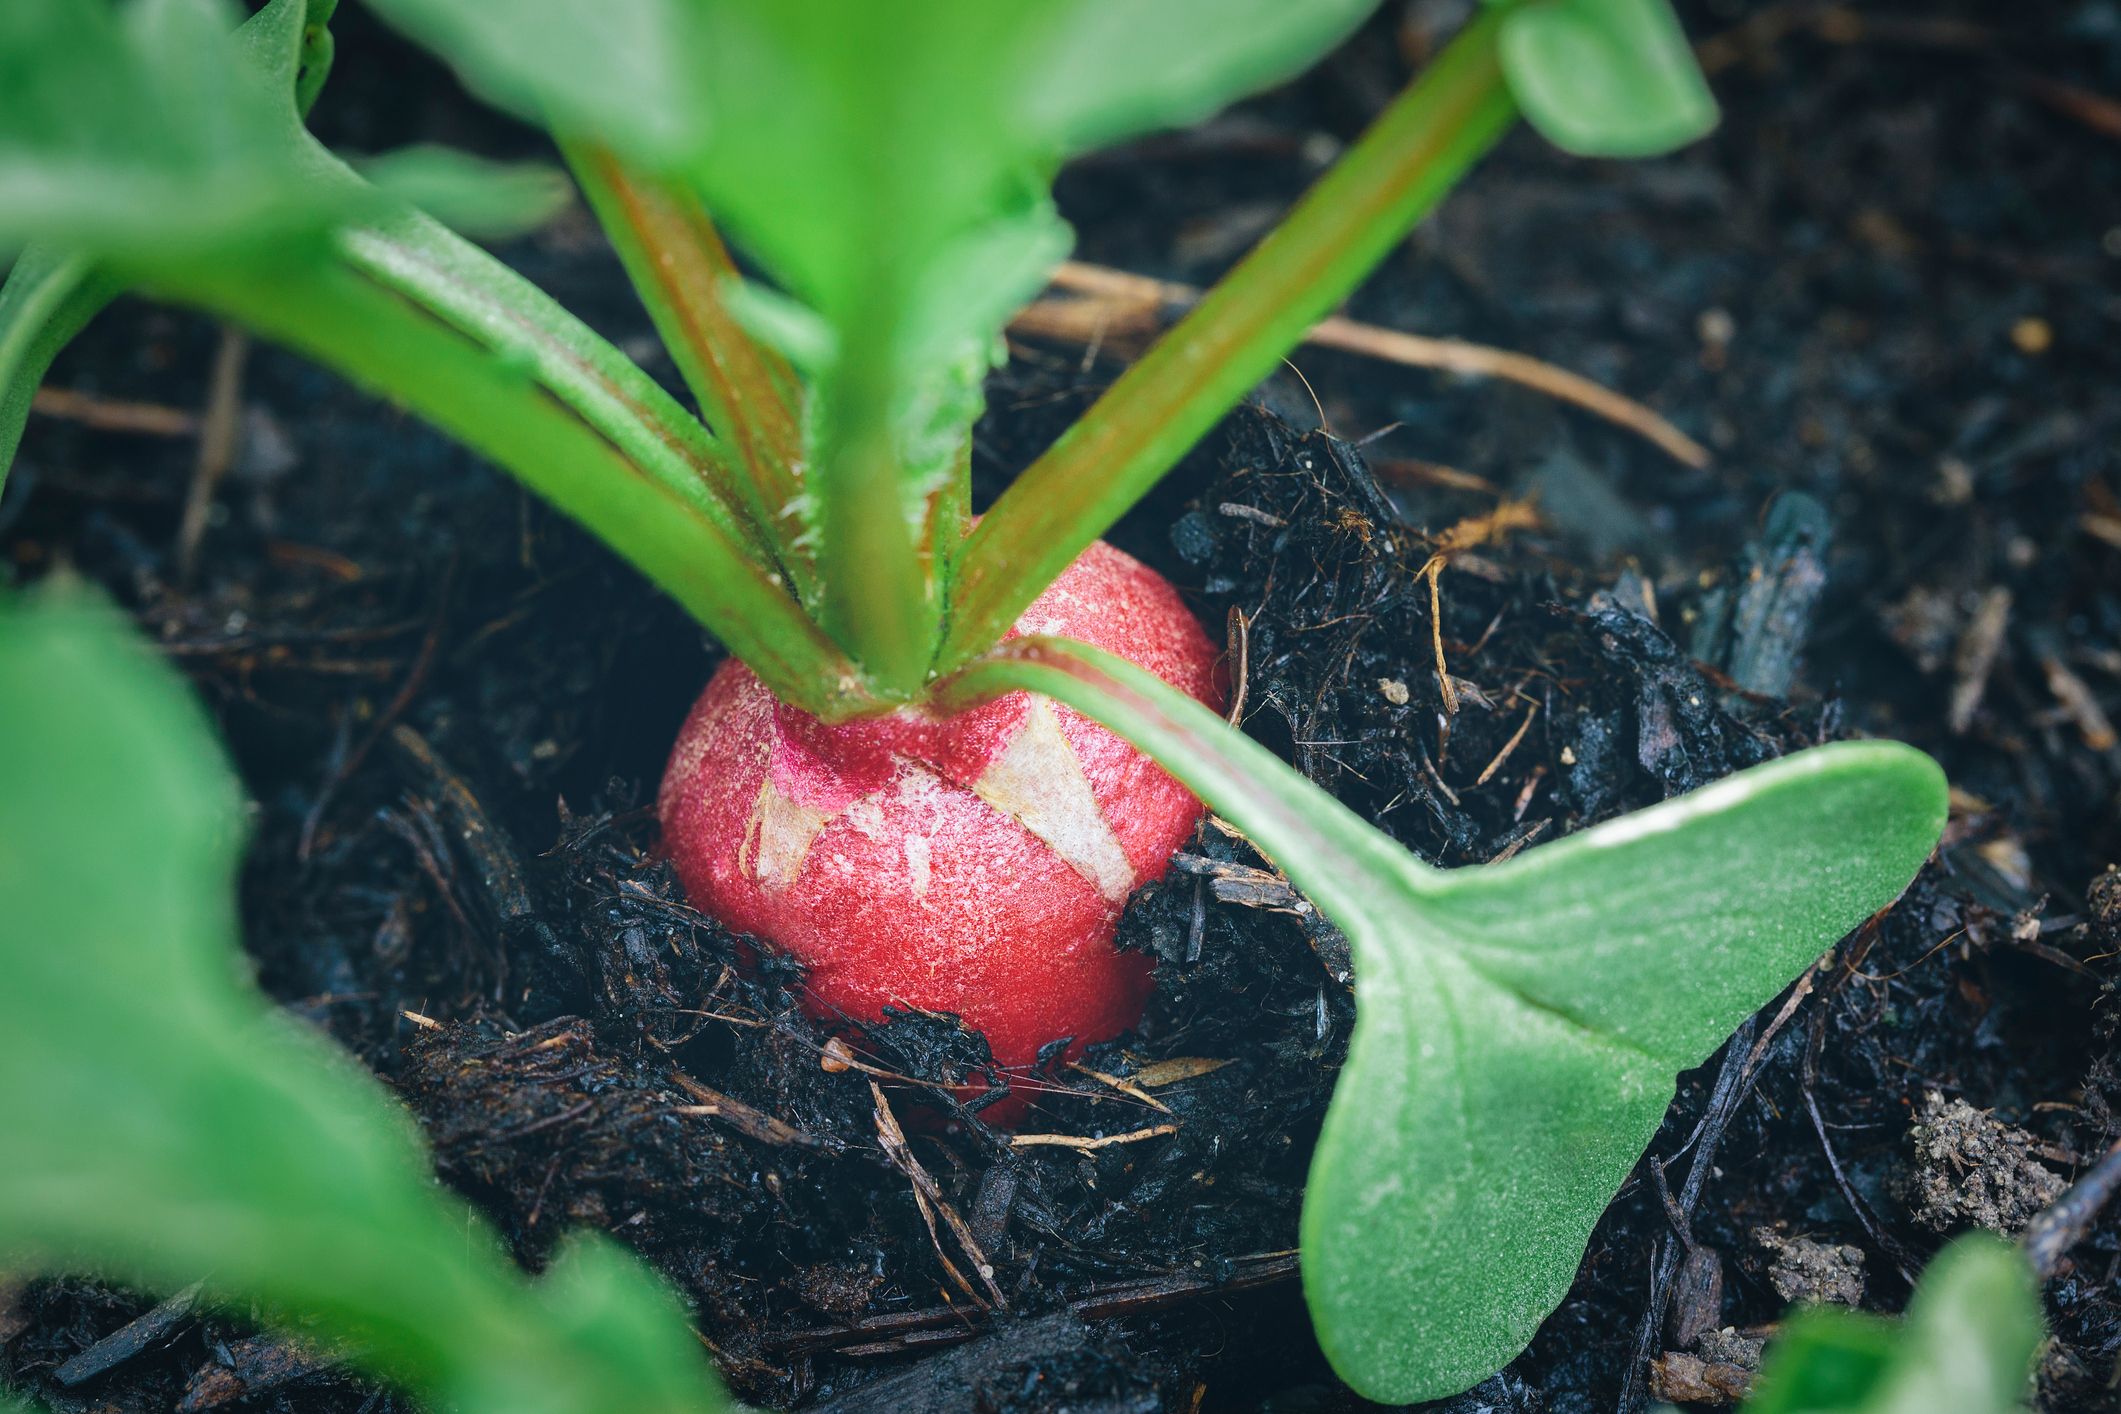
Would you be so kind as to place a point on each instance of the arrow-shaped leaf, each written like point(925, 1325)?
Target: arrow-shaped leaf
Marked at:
point(1520, 1028)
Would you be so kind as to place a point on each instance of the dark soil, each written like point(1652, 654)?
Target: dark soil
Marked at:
point(1887, 293)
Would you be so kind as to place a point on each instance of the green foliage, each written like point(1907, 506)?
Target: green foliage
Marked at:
point(1968, 1344)
point(1519, 1046)
point(1606, 78)
point(153, 139)
point(143, 130)
point(51, 293)
point(1412, 154)
point(165, 1123)
point(624, 71)
point(144, 133)
point(1520, 1027)
point(49, 297)
point(405, 305)
point(466, 193)
point(889, 165)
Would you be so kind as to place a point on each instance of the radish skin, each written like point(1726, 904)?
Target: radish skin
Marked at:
point(976, 864)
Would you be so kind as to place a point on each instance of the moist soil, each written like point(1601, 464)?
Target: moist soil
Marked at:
point(1886, 295)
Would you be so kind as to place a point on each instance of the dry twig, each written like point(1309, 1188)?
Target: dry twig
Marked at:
point(1106, 1141)
point(102, 414)
point(928, 1197)
point(740, 1116)
point(1125, 1085)
point(1112, 303)
point(1468, 534)
point(218, 440)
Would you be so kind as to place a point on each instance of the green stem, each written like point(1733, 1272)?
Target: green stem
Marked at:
point(1342, 862)
point(879, 599)
point(460, 284)
point(1412, 155)
point(49, 297)
point(488, 399)
point(750, 395)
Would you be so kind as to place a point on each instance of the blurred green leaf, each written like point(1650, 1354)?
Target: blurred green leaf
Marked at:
point(1607, 78)
point(1520, 1027)
point(143, 130)
point(624, 71)
point(164, 1123)
point(156, 133)
point(470, 194)
point(1967, 1344)
point(890, 166)
point(49, 297)
point(851, 144)
point(51, 293)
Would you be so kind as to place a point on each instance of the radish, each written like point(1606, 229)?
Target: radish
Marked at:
point(975, 864)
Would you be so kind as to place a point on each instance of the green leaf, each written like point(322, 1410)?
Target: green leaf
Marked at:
point(890, 165)
point(407, 307)
point(282, 55)
point(1607, 78)
point(164, 1123)
point(850, 143)
point(1968, 1344)
point(145, 131)
point(469, 194)
point(157, 133)
point(626, 71)
point(420, 316)
point(51, 293)
point(48, 298)
point(1520, 1028)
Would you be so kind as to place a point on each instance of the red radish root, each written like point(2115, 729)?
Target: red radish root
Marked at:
point(975, 864)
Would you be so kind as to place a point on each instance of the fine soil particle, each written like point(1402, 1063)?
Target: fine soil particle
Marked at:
point(1679, 1378)
point(1802, 1269)
point(1731, 1346)
point(451, 710)
point(2103, 898)
point(1973, 1170)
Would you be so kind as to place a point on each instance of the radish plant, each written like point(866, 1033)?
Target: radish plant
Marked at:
point(934, 766)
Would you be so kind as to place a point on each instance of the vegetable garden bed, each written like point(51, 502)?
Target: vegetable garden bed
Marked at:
point(1878, 294)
